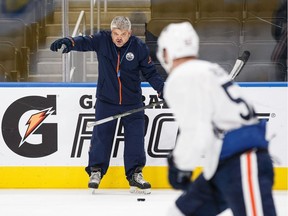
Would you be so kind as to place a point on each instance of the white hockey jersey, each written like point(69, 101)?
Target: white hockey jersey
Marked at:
point(202, 98)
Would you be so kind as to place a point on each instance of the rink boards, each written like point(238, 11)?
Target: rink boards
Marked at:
point(44, 138)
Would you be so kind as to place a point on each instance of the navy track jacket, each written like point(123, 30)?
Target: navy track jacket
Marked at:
point(119, 80)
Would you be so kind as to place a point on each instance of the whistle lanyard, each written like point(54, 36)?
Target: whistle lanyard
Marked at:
point(118, 71)
point(119, 61)
point(118, 77)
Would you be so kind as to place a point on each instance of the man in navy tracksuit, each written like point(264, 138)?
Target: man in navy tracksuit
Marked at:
point(121, 56)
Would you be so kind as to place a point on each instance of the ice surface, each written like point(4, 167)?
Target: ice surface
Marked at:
point(74, 202)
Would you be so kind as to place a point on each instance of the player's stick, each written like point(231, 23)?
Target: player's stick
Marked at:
point(239, 64)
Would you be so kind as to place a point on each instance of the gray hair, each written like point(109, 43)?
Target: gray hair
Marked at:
point(121, 23)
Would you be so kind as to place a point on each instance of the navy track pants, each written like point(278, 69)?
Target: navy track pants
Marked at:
point(103, 136)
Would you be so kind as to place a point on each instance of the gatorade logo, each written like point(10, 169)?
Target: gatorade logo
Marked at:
point(25, 128)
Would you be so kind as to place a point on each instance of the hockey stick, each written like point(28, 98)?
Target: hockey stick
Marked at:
point(124, 114)
point(239, 64)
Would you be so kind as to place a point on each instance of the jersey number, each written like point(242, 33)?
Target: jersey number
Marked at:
point(250, 111)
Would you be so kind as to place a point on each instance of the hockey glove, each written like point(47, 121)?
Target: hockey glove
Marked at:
point(67, 42)
point(178, 179)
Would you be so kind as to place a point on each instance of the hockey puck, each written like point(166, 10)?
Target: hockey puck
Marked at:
point(140, 199)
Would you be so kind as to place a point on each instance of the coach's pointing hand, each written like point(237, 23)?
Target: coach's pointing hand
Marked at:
point(67, 42)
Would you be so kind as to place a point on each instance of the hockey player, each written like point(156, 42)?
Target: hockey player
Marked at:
point(121, 56)
point(218, 130)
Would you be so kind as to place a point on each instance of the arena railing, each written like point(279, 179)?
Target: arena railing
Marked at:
point(78, 59)
point(73, 61)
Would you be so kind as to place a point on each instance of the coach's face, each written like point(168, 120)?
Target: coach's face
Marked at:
point(120, 37)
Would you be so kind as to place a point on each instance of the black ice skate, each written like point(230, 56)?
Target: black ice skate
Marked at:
point(95, 178)
point(138, 184)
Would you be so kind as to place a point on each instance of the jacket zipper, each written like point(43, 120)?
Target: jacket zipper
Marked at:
point(118, 77)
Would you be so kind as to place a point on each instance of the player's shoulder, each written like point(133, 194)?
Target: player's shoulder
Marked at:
point(200, 71)
point(210, 68)
point(204, 64)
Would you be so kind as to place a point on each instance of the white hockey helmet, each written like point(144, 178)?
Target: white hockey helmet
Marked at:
point(179, 40)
